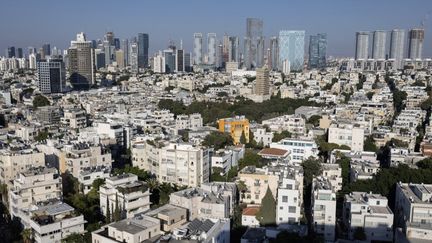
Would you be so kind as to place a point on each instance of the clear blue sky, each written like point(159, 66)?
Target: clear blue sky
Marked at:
point(33, 22)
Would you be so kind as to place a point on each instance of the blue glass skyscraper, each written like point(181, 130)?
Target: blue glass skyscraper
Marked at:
point(143, 48)
point(291, 49)
point(317, 50)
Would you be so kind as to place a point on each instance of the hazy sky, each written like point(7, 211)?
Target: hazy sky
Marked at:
point(34, 22)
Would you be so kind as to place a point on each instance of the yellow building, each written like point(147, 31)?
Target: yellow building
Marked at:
point(235, 127)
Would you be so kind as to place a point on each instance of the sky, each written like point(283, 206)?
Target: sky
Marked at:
point(26, 23)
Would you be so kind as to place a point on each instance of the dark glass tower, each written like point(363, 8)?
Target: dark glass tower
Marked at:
point(143, 48)
point(317, 51)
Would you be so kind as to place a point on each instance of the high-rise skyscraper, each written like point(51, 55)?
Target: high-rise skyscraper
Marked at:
point(32, 61)
point(188, 61)
point(81, 66)
point(170, 60)
point(10, 52)
point(397, 46)
point(379, 45)
point(254, 44)
point(119, 57)
point(225, 48)
point(117, 43)
point(197, 49)
point(211, 48)
point(143, 50)
point(51, 76)
point(109, 37)
point(318, 50)
point(133, 57)
point(46, 50)
point(180, 60)
point(416, 38)
point(273, 55)
point(362, 45)
point(262, 85)
point(291, 49)
point(99, 57)
point(233, 49)
point(20, 53)
point(125, 47)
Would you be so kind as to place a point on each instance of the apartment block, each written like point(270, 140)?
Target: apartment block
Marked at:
point(33, 186)
point(299, 149)
point(347, 134)
point(323, 208)
point(235, 126)
point(413, 209)
point(289, 203)
point(257, 180)
point(125, 192)
point(369, 212)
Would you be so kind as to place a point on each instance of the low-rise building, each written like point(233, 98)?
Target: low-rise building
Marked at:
point(249, 217)
point(51, 222)
point(137, 229)
point(17, 158)
point(347, 134)
point(33, 186)
point(323, 208)
point(256, 181)
point(413, 209)
point(126, 193)
point(370, 213)
point(299, 149)
point(88, 175)
point(290, 196)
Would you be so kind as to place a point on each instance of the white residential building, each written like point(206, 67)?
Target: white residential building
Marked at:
point(74, 118)
point(132, 230)
point(88, 175)
point(324, 208)
point(18, 158)
point(299, 149)
point(227, 158)
point(413, 210)
point(179, 163)
point(333, 172)
point(294, 124)
point(191, 122)
point(35, 185)
point(125, 192)
point(261, 136)
point(79, 155)
point(347, 134)
point(370, 213)
point(290, 196)
point(55, 221)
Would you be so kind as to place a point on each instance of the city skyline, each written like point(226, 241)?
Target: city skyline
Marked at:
point(299, 16)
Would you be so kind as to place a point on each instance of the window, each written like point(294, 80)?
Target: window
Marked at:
point(281, 208)
point(284, 198)
point(291, 209)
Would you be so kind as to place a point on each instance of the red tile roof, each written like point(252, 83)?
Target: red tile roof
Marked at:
point(250, 211)
point(273, 152)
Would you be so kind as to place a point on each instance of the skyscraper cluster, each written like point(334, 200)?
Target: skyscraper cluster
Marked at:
point(396, 50)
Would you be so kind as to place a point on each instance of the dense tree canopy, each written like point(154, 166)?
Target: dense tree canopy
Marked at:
point(212, 111)
point(218, 140)
point(40, 100)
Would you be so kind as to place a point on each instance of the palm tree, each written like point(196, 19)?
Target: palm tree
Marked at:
point(153, 184)
point(27, 235)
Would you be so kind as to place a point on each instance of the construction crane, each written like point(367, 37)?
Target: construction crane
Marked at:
point(425, 18)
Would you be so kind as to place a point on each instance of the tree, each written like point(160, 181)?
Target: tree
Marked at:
point(267, 213)
point(217, 174)
point(117, 213)
point(314, 120)
point(243, 138)
point(42, 135)
point(27, 235)
point(425, 163)
point(398, 100)
point(370, 94)
point(279, 136)
point(74, 238)
point(359, 234)
point(218, 140)
point(250, 159)
point(40, 100)
point(311, 168)
point(108, 212)
point(369, 145)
